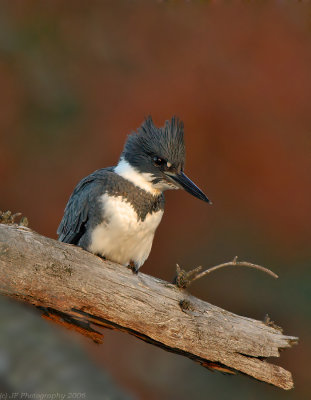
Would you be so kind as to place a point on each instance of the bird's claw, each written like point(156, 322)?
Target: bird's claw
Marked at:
point(133, 266)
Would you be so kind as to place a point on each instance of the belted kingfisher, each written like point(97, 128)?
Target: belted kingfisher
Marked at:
point(115, 211)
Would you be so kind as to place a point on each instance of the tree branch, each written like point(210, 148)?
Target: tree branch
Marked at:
point(81, 291)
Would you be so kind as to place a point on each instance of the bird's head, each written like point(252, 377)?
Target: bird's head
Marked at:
point(158, 154)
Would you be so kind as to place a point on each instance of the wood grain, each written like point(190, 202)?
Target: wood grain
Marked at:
point(82, 290)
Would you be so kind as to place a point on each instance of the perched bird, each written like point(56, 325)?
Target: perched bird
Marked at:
point(115, 211)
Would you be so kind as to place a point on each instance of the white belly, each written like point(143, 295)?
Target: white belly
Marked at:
point(121, 237)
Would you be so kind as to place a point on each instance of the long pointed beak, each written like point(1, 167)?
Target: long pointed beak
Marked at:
point(185, 183)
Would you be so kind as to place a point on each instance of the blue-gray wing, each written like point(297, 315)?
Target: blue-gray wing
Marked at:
point(79, 206)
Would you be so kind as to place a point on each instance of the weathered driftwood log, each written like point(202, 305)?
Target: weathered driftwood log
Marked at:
point(80, 290)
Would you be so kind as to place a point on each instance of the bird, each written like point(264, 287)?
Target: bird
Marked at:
point(115, 211)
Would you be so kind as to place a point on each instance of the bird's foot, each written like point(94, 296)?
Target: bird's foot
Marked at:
point(184, 278)
point(134, 267)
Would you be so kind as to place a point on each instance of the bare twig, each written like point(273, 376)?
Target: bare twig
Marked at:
point(184, 278)
point(236, 263)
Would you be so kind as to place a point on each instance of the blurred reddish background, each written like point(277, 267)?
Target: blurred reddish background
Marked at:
point(77, 77)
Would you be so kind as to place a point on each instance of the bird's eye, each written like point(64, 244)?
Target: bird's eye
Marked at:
point(159, 161)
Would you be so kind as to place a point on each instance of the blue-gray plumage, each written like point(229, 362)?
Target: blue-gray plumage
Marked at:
point(115, 211)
